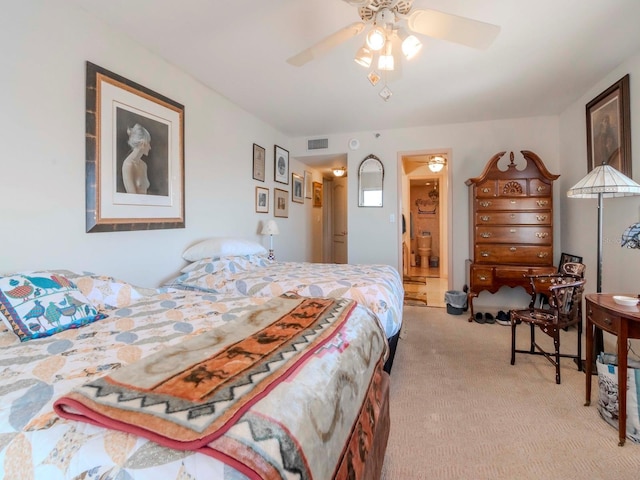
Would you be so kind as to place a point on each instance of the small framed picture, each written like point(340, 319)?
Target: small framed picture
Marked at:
point(258, 162)
point(568, 258)
point(280, 203)
point(308, 189)
point(281, 165)
point(262, 200)
point(296, 188)
point(317, 194)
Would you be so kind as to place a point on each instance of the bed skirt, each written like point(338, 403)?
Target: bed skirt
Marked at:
point(393, 344)
point(375, 460)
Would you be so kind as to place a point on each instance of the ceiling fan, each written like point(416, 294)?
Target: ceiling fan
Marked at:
point(391, 16)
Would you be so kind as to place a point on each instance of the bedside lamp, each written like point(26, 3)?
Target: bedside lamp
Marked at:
point(270, 228)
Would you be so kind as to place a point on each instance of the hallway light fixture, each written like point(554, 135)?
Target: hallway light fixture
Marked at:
point(436, 163)
point(340, 171)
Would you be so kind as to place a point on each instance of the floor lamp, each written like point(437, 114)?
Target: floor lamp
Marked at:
point(603, 181)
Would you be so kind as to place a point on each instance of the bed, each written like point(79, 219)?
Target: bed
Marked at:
point(246, 270)
point(83, 399)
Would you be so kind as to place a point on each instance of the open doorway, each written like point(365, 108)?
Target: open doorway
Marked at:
point(427, 223)
point(335, 213)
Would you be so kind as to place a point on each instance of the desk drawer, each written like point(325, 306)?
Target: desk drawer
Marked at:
point(604, 320)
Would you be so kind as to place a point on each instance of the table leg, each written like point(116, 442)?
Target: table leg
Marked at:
point(622, 381)
point(470, 297)
point(589, 360)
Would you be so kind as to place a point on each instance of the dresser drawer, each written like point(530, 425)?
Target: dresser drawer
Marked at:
point(604, 320)
point(514, 234)
point(514, 218)
point(538, 188)
point(514, 254)
point(512, 187)
point(481, 276)
point(487, 189)
point(525, 203)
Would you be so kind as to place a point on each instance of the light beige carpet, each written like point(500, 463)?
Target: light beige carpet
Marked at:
point(459, 410)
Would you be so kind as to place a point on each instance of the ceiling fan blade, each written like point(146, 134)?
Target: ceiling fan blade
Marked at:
point(326, 44)
point(446, 26)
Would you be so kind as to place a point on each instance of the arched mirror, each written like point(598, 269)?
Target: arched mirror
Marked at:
point(370, 179)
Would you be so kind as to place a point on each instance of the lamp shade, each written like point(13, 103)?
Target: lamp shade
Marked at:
point(270, 228)
point(605, 180)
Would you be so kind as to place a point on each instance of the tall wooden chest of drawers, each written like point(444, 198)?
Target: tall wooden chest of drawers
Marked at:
point(511, 225)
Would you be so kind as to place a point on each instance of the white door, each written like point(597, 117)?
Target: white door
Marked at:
point(339, 224)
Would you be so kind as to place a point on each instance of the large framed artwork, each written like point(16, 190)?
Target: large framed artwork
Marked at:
point(135, 155)
point(280, 165)
point(609, 128)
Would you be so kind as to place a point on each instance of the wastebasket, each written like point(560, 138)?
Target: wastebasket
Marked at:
point(434, 262)
point(456, 301)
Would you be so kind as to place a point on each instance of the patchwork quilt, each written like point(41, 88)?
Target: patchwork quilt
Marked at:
point(379, 287)
point(183, 384)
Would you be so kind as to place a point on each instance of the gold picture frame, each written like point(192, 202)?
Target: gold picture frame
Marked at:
point(317, 194)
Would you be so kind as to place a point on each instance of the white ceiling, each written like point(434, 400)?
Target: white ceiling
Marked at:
point(548, 54)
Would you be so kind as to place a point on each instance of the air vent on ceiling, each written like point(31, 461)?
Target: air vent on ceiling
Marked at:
point(318, 144)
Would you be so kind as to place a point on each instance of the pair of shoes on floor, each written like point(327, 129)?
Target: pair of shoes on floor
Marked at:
point(484, 318)
point(503, 318)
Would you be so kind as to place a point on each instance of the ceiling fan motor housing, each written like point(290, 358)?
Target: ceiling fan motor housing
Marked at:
point(388, 9)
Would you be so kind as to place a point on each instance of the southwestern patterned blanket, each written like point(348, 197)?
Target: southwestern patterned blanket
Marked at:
point(316, 417)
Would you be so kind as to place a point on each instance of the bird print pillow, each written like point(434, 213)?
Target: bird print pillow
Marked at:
point(41, 304)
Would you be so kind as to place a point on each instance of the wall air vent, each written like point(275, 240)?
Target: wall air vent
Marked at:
point(318, 144)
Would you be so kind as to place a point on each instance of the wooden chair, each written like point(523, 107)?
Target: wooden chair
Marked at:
point(564, 309)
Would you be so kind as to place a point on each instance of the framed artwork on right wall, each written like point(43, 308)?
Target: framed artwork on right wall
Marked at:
point(609, 128)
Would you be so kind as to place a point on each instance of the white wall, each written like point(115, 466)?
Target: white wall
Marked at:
point(374, 239)
point(44, 47)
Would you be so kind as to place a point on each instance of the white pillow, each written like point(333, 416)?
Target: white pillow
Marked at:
point(217, 247)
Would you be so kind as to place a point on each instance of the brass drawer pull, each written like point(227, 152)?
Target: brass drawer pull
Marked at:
point(482, 277)
point(542, 234)
point(541, 189)
point(486, 190)
point(485, 204)
point(485, 218)
point(542, 203)
point(543, 255)
point(541, 218)
point(484, 254)
point(513, 249)
point(512, 230)
point(513, 215)
point(485, 235)
point(607, 320)
point(512, 202)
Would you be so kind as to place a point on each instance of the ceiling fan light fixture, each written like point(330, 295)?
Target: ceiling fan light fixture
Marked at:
point(376, 38)
point(386, 61)
point(411, 46)
point(436, 163)
point(364, 57)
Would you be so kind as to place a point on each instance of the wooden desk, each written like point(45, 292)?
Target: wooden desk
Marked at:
point(624, 322)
